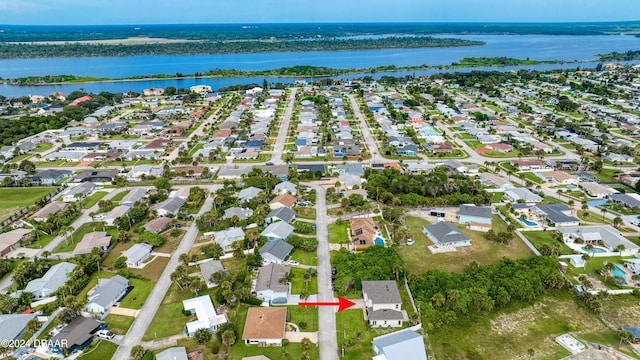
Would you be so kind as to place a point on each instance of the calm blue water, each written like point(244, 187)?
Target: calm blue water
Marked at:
point(594, 250)
point(378, 241)
point(618, 272)
point(528, 222)
point(538, 47)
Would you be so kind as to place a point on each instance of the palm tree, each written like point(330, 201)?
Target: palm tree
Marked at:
point(603, 211)
point(137, 352)
point(617, 222)
point(608, 268)
point(620, 248)
point(306, 277)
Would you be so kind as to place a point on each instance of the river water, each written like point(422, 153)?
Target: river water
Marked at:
point(538, 47)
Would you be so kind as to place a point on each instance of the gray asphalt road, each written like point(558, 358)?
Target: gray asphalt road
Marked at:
point(278, 149)
point(366, 133)
point(148, 311)
point(326, 314)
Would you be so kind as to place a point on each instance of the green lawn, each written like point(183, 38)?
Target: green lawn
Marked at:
point(307, 314)
point(14, 199)
point(291, 352)
point(136, 298)
point(119, 324)
point(99, 350)
point(496, 197)
point(338, 233)
point(528, 175)
point(93, 199)
point(70, 243)
point(298, 284)
point(539, 238)
point(169, 319)
point(119, 196)
point(304, 257)
point(42, 147)
point(418, 258)
point(351, 323)
point(521, 327)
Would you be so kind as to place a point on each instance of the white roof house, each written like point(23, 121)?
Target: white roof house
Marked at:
point(401, 345)
point(137, 254)
point(248, 193)
point(106, 294)
point(170, 206)
point(286, 187)
point(277, 230)
point(78, 192)
point(55, 277)
point(227, 237)
point(205, 314)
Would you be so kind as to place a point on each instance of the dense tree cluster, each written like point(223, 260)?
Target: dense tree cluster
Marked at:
point(446, 296)
point(374, 263)
point(436, 188)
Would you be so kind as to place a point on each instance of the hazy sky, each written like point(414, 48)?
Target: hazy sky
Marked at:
point(71, 12)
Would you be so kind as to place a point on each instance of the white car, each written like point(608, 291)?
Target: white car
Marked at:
point(294, 263)
point(409, 241)
point(105, 334)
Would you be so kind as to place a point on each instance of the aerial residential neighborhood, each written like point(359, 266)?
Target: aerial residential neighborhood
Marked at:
point(460, 212)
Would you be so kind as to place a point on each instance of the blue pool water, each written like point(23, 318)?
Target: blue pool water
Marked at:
point(528, 222)
point(594, 250)
point(378, 241)
point(617, 272)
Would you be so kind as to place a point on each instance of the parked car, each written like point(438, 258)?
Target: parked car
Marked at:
point(105, 334)
point(294, 263)
point(409, 241)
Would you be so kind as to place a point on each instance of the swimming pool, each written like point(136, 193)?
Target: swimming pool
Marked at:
point(595, 250)
point(378, 241)
point(528, 222)
point(617, 272)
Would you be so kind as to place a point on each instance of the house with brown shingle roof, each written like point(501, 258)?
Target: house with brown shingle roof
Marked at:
point(265, 326)
point(282, 200)
point(363, 232)
point(49, 209)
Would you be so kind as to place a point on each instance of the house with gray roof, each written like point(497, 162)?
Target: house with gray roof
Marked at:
point(286, 187)
point(55, 277)
point(475, 214)
point(208, 268)
point(170, 206)
point(174, 353)
point(269, 288)
point(281, 214)
point(556, 214)
point(249, 193)
point(401, 345)
point(78, 192)
point(383, 303)
point(277, 231)
point(515, 195)
point(137, 254)
point(135, 194)
point(627, 200)
point(51, 176)
point(241, 213)
point(227, 237)
point(445, 234)
point(598, 235)
point(350, 169)
point(275, 251)
point(14, 326)
point(106, 294)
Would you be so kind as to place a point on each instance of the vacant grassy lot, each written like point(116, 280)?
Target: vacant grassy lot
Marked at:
point(136, 298)
point(119, 196)
point(99, 350)
point(539, 238)
point(298, 284)
point(521, 327)
point(338, 233)
point(14, 199)
point(93, 199)
point(419, 259)
point(152, 270)
point(119, 324)
point(304, 257)
point(351, 323)
point(70, 243)
point(531, 177)
point(169, 319)
point(303, 314)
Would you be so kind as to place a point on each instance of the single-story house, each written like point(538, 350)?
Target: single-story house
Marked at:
point(78, 192)
point(96, 239)
point(51, 176)
point(600, 235)
point(401, 345)
point(241, 213)
point(9, 239)
point(265, 326)
point(227, 237)
point(282, 200)
point(206, 315)
point(14, 326)
point(445, 234)
point(135, 194)
point(275, 251)
point(115, 213)
point(269, 285)
point(137, 254)
point(209, 268)
point(281, 214)
point(174, 353)
point(55, 277)
point(77, 335)
point(478, 214)
point(170, 206)
point(556, 214)
point(106, 294)
point(286, 187)
point(49, 209)
point(277, 231)
point(516, 195)
point(249, 193)
point(157, 225)
point(597, 190)
point(383, 305)
point(627, 200)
